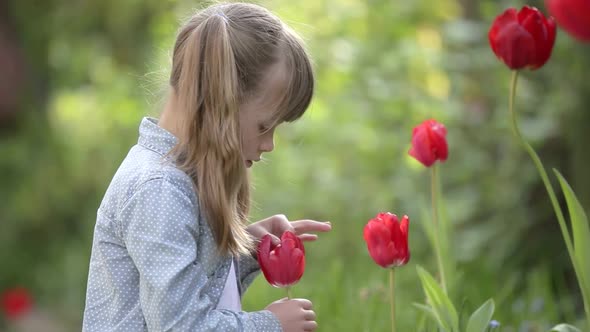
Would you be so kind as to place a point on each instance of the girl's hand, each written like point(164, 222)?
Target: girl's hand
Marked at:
point(295, 315)
point(278, 224)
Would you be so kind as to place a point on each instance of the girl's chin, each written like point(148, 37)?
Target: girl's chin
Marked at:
point(249, 163)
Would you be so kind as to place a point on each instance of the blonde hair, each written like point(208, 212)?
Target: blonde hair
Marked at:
point(220, 58)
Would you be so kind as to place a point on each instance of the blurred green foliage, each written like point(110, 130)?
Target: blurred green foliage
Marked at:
point(95, 68)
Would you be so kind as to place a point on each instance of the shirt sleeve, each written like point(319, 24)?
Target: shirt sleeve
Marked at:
point(160, 231)
point(249, 269)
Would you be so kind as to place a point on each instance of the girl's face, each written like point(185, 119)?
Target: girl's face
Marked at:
point(256, 115)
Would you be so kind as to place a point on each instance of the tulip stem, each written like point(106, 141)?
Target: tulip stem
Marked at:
point(437, 227)
point(550, 191)
point(434, 196)
point(289, 293)
point(392, 297)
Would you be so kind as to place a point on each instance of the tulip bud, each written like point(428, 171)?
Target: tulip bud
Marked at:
point(429, 143)
point(283, 264)
point(573, 16)
point(16, 302)
point(387, 240)
point(522, 39)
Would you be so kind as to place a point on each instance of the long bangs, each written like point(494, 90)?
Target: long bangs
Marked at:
point(299, 88)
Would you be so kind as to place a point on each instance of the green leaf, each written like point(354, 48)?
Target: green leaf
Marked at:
point(480, 319)
point(565, 328)
point(440, 302)
point(445, 234)
point(430, 313)
point(581, 232)
point(429, 228)
point(438, 240)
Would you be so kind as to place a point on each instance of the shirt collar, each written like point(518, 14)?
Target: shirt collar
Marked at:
point(155, 137)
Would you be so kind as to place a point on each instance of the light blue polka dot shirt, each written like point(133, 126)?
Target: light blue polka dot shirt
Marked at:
point(154, 264)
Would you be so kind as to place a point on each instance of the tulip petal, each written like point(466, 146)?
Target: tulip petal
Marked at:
point(377, 234)
point(573, 16)
point(437, 127)
point(547, 47)
point(396, 234)
point(378, 237)
point(532, 21)
point(387, 240)
point(264, 258)
point(288, 261)
point(522, 38)
point(507, 17)
point(429, 143)
point(405, 225)
point(421, 148)
point(294, 270)
point(527, 15)
point(438, 134)
point(404, 228)
point(275, 268)
point(299, 243)
point(388, 255)
point(515, 46)
point(543, 32)
point(389, 219)
point(383, 253)
point(400, 242)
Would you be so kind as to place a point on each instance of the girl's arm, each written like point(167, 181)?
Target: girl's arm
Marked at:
point(248, 270)
point(160, 229)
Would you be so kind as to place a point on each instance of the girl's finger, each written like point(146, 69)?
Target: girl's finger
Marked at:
point(309, 315)
point(304, 303)
point(308, 237)
point(307, 225)
point(274, 240)
point(310, 326)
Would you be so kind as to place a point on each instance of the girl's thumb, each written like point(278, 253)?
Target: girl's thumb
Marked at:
point(274, 240)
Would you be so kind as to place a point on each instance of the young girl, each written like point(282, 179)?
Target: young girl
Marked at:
point(172, 250)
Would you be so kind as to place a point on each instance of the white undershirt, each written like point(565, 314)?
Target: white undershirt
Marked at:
point(230, 296)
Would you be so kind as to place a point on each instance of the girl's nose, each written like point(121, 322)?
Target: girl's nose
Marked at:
point(267, 144)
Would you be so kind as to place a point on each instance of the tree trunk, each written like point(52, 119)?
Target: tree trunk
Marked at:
point(11, 69)
point(25, 35)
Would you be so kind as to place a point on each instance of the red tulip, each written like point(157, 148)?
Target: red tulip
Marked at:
point(429, 142)
point(573, 16)
point(283, 264)
point(16, 302)
point(387, 239)
point(522, 39)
